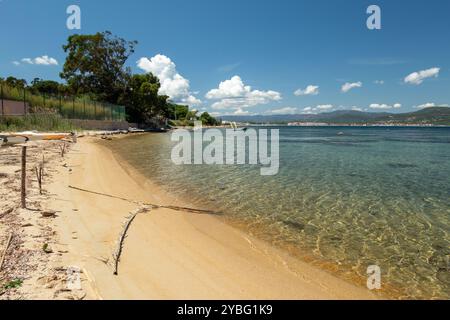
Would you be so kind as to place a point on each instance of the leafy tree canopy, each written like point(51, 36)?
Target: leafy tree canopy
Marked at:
point(45, 86)
point(95, 64)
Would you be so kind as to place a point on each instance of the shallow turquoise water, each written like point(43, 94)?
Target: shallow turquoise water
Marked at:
point(370, 196)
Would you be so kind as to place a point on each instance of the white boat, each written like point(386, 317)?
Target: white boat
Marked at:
point(22, 137)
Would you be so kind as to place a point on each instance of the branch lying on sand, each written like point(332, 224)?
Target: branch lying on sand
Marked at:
point(118, 252)
point(8, 242)
point(193, 210)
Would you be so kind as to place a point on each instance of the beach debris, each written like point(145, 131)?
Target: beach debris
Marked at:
point(26, 225)
point(63, 149)
point(155, 206)
point(48, 213)
point(7, 211)
point(8, 242)
point(46, 248)
point(127, 224)
point(39, 170)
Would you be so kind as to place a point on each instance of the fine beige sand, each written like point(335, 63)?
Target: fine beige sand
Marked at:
point(168, 254)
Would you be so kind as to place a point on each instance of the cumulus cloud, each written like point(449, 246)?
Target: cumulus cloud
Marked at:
point(241, 112)
point(319, 108)
point(44, 60)
point(351, 85)
point(233, 94)
point(286, 110)
point(173, 84)
point(308, 91)
point(430, 105)
point(419, 76)
point(16, 63)
point(379, 82)
point(385, 106)
point(324, 107)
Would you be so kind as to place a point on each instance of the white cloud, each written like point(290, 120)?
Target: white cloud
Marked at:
point(319, 108)
point(309, 90)
point(16, 63)
point(355, 108)
point(324, 107)
point(418, 77)
point(44, 60)
point(286, 110)
point(233, 94)
point(172, 83)
point(430, 105)
point(385, 106)
point(379, 82)
point(349, 86)
point(27, 60)
point(241, 112)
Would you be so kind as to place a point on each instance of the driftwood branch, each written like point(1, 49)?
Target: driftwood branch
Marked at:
point(8, 242)
point(63, 149)
point(177, 208)
point(39, 173)
point(127, 224)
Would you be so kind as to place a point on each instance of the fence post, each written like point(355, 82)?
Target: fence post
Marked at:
point(24, 177)
point(43, 98)
point(60, 105)
point(1, 93)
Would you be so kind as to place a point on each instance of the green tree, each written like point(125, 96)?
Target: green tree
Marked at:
point(177, 112)
point(16, 83)
point(208, 120)
point(142, 99)
point(95, 64)
point(45, 86)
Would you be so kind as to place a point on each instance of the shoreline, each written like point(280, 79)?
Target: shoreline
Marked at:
point(170, 254)
point(167, 254)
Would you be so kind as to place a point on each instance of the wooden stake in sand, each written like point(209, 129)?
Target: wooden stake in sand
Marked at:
point(127, 224)
point(24, 176)
point(8, 242)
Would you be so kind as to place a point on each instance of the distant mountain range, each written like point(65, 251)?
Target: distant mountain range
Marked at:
point(433, 115)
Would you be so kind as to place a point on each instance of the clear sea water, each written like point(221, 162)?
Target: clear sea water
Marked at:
point(372, 195)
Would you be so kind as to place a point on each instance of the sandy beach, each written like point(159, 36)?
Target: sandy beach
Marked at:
point(167, 254)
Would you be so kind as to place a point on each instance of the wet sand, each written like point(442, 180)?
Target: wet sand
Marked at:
point(168, 254)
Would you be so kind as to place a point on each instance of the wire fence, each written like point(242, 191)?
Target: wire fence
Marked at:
point(21, 101)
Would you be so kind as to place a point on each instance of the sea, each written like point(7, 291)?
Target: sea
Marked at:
point(344, 199)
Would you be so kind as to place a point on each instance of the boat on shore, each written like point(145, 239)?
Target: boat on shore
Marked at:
point(23, 137)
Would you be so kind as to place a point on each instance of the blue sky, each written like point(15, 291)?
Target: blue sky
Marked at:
point(261, 51)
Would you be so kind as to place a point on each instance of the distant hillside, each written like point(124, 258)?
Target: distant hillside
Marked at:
point(434, 115)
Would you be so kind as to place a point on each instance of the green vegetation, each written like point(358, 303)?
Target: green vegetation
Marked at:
point(16, 283)
point(41, 122)
point(427, 116)
point(208, 120)
point(186, 118)
point(95, 64)
point(94, 70)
